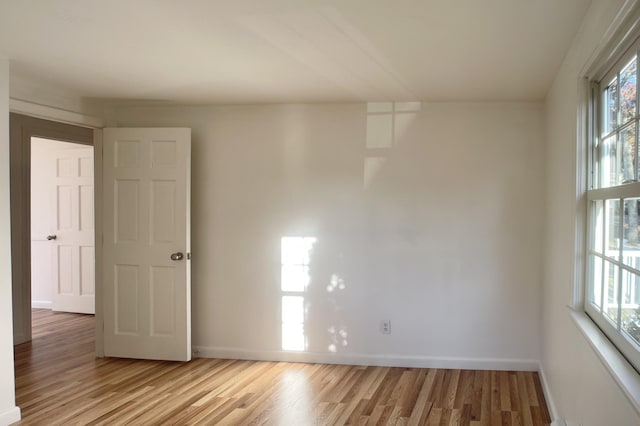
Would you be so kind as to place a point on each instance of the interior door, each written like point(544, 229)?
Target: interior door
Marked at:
point(73, 237)
point(146, 248)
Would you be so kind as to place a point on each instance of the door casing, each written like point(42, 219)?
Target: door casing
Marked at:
point(22, 129)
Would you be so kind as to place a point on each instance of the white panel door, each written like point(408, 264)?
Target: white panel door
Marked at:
point(147, 280)
point(73, 239)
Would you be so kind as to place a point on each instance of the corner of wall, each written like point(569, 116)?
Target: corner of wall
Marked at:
point(41, 100)
point(9, 413)
point(556, 421)
point(45, 95)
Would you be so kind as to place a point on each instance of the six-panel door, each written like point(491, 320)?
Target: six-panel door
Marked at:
point(72, 240)
point(147, 294)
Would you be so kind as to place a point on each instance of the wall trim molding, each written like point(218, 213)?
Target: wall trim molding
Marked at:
point(615, 41)
point(55, 114)
point(21, 129)
point(41, 304)
point(546, 389)
point(410, 361)
point(10, 416)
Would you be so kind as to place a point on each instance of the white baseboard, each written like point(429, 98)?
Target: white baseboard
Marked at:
point(553, 412)
point(10, 416)
point(366, 359)
point(41, 304)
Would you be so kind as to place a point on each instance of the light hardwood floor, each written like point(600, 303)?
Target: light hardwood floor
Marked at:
point(60, 382)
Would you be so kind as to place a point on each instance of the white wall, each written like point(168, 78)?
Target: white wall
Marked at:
point(583, 391)
point(445, 241)
point(8, 410)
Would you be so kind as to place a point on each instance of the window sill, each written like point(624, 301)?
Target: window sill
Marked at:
point(622, 372)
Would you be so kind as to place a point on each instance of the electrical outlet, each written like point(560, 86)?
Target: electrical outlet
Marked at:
point(385, 327)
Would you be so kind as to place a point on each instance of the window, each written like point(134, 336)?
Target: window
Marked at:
point(612, 298)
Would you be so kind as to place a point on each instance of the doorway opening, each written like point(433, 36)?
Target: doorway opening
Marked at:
point(74, 210)
point(62, 216)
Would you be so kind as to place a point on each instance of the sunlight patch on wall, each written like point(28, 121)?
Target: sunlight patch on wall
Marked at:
point(387, 125)
point(336, 283)
point(293, 338)
point(338, 336)
point(294, 279)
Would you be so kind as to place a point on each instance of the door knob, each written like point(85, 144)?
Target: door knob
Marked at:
point(177, 256)
point(52, 237)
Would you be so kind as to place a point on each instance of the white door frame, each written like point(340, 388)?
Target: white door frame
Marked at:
point(22, 128)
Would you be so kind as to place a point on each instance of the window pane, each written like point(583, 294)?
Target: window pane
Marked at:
point(631, 246)
point(612, 228)
point(597, 226)
point(595, 276)
point(609, 162)
point(630, 287)
point(610, 107)
point(628, 92)
point(632, 326)
point(611, 278)
point(630, 299)
point(628, 153)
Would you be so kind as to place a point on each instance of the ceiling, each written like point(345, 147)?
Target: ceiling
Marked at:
point(258, 51)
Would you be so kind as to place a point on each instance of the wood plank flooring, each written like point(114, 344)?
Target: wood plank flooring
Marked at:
point(60, 382)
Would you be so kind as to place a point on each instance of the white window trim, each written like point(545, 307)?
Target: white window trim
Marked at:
point(617, 39)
